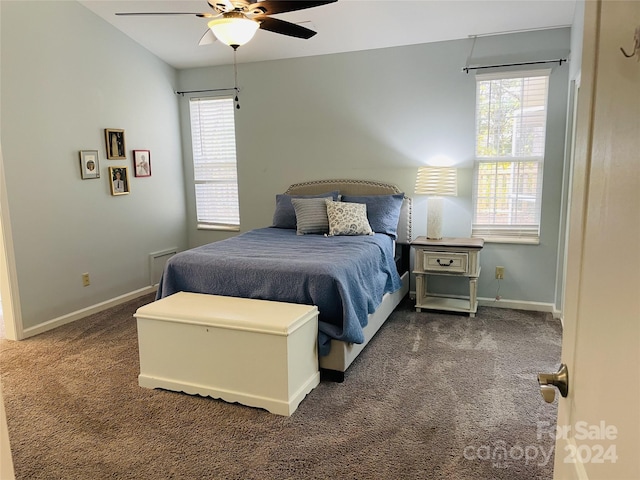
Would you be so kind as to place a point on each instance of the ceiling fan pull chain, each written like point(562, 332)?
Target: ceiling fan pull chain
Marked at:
point(235, 75)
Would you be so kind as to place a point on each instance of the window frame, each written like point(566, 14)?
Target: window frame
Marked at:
point(205, 219)
point(524, 233)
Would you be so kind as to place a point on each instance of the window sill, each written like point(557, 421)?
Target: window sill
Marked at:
point(519, 241)
point(220, 228)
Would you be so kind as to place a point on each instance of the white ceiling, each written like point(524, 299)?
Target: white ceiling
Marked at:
point(347, 25)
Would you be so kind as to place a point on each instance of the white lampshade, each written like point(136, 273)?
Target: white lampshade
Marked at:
point(233, 28)
point(440, 181)
point(436, 182)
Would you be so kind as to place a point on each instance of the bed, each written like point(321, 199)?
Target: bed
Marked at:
point(356, 280)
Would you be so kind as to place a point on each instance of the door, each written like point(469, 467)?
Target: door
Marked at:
point(598, 432)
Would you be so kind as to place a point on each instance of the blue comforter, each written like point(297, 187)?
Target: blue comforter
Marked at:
point(344, 276)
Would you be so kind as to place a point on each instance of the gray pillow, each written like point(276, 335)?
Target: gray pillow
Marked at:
point(285, 216)
point(311, 215)
point(383, 211)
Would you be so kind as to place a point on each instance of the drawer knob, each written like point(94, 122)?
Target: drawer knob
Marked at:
point(445, 264)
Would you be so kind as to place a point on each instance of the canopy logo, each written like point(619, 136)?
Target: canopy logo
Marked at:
point(503, 457)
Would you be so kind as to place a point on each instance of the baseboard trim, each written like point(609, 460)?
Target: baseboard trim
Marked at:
point(557, 314)
point(99, 307)
point(502, 303)
point(85, 312)
point(516, 304)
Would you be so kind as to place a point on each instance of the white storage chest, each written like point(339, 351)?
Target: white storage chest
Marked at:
point(255, 352)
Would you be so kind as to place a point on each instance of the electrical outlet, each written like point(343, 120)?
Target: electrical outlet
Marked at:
point(85, 280)
point(500, 273)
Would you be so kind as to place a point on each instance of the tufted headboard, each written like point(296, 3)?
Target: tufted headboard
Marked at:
point(360, 187)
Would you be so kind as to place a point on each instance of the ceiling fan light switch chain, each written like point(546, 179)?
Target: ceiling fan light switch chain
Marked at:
point(235, 77)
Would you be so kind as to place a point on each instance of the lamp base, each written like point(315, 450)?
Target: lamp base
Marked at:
point(434, 218)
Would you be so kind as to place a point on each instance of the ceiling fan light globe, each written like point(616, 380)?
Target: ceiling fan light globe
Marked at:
point(233, 28)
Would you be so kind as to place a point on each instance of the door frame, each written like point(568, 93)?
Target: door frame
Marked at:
point(580, 166)
point(8, 278)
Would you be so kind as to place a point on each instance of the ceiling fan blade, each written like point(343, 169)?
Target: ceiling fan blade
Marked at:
point(270, 7)
point(208, 38)
point(132, 14)
point(221, 5)
point(155, 13)
point(285, 28)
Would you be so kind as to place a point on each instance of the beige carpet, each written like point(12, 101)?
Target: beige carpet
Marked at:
point(433, 396)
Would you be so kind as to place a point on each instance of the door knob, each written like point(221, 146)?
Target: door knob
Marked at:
point(549, 380)
point(548, 393)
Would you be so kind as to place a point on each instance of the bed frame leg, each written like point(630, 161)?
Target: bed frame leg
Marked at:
point(331, 375)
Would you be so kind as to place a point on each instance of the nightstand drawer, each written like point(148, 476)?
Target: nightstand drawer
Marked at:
point(445, 262)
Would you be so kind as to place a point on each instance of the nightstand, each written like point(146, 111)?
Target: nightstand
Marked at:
point(458, 257)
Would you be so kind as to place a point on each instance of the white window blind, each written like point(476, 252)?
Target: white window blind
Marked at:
point(511, 118)
point(214, 162)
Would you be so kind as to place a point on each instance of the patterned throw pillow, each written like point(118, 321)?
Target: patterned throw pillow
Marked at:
point(311, 215)
point(347, 218)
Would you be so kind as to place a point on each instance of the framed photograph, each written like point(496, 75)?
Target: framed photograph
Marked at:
point(142, 163)
point(119, 180)
point(89, 165)
point(114, 138)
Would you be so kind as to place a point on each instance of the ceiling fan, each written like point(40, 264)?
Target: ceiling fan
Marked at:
point(234, 22)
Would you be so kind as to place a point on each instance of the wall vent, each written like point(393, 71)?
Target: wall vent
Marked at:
point(157, 261)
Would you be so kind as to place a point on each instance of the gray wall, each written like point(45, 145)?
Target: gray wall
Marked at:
point(577, 32)
point(380, 115)
point(67, 75)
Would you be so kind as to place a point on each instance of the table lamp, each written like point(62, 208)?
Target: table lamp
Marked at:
point(436, 182)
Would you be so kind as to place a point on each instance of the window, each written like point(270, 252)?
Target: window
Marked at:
point(214, 163)
point(511, 117)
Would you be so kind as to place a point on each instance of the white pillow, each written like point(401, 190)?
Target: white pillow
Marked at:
point(347, 218)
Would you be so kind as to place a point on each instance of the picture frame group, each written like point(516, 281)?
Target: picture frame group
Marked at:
point(119, 180)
